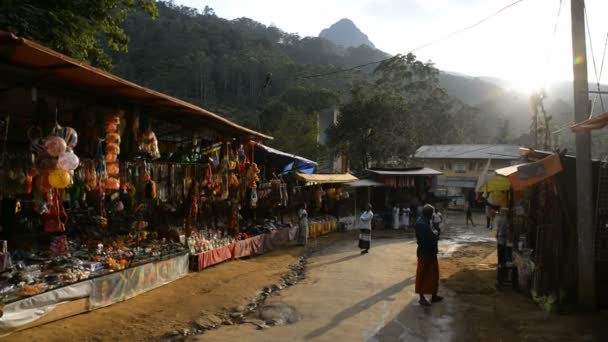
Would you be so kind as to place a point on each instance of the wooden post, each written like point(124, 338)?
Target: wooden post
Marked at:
point(584, 193)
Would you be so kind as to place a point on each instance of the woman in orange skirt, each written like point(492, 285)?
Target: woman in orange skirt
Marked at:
point(427, 272)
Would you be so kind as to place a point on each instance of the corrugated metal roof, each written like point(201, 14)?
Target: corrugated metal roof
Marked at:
point(423, 171)
point(29, 55)
point(506, 152)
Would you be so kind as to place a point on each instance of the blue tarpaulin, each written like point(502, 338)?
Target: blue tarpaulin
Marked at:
point(280, 160)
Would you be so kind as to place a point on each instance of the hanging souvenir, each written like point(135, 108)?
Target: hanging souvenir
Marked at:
point(253, 202)
point(149, 144)
point(68, 161)
point(59, 179)
point(55, 217)
point(55, 146)
point(90, 177)
point(42, 182)
point(113, 169)
point(111, 183)
point(113, 138)
point(111, 158)
point(150, 190)
point(69, 135)
point(112, 148)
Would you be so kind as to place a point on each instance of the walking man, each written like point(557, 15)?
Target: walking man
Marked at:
point(427, 271)
point(303, 225)
point(365, 229)
point(467, 208)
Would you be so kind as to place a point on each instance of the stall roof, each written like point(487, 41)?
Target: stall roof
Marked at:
point(528, 174)
point(365, 183)
point(418, 171)
point(596, 122)
point(284, 154)
point(327, 178)
point(26, 54)
point(507, 152)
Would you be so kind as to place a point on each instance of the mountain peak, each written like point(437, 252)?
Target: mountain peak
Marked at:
point(345, 33)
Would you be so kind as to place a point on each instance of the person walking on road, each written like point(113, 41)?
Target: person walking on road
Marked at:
point(396, 221)
point(467, 208)
point(365, 229)
point(427, 271)
point(303, 224)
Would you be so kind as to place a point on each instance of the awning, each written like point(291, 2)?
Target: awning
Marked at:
point(525, 175)
point(596, 122)
point(285, 161)
point(361, 183)
point(456, 182)
point(33, 57)
point(419, 171)
point(326, 178)
point(494, 183)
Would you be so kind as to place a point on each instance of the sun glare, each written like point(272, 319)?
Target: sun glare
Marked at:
point(528, 84)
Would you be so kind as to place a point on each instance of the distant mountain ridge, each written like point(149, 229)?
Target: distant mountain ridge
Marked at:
point(345, 33)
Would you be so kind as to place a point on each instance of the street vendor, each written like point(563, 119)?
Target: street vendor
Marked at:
point(427, 271)
point(502, 237)
point(303, 225)
point(365, 228)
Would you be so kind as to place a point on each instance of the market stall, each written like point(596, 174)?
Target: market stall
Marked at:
point(325, 197)
point(103, 193)
point(539, 199)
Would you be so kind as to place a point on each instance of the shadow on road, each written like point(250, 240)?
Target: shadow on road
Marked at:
point(361, 306)
point(337, 261)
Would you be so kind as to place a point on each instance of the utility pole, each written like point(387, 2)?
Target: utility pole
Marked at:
point(584, 191)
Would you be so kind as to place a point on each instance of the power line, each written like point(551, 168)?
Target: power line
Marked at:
point(551, 44)
point(448, 36)
point(597, 79)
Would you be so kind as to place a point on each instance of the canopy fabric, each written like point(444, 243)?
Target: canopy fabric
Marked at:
point(54, 66)
point(299, 166)
point(494, 183)
point(525, 175)
point(365, 183)
point(418, 171)
point(326, 178)
point(286, 162)
point(596, 122)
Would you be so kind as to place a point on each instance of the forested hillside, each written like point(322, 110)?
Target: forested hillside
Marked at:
point(255, 74)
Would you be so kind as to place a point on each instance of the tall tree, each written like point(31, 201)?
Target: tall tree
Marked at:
point(405, 107)
point(80, 29)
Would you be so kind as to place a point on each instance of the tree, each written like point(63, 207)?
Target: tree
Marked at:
point(504, 133)
point(541, 127)
point(80, 29)
point(403, 108)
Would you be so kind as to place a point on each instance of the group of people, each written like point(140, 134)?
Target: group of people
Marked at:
point(428, 230)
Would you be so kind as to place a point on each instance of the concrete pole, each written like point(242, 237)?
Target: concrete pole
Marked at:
point(584, 191)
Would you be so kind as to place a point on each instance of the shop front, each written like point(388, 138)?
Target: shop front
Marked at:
point(539, 197)
point(107, 187)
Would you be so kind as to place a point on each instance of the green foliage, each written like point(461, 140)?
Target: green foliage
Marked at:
point(504, 132)
point(292, 119)
point(386, 120)
point(296, 132)
point(80, 29)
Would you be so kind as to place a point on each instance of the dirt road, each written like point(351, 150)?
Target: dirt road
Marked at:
point(344, 297)
point(353, 297)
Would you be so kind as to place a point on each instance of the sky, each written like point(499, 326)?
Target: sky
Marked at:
point(517, 45)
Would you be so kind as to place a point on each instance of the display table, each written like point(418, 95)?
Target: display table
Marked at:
point(91, 294)
point(256, 245)
point(321, 226)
